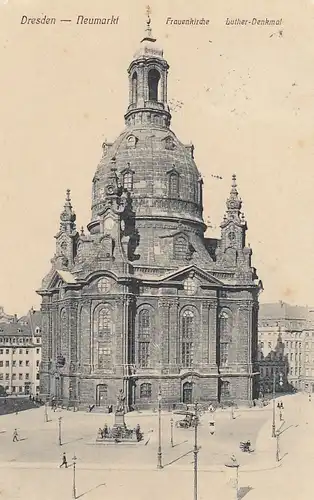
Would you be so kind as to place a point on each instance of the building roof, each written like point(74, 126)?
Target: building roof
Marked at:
point(66, 276)
point(282, 310)
point(4, 317)
point(25, 325)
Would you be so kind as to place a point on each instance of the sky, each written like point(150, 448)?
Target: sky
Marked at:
point(248, 102)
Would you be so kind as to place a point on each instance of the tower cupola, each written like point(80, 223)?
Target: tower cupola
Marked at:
point(148, 74)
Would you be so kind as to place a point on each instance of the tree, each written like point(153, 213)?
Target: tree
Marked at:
point(2, 391)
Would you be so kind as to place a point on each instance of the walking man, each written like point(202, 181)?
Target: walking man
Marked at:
point(64, 461)
point(15, 436)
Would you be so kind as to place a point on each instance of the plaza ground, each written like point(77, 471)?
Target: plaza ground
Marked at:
point(30, 468)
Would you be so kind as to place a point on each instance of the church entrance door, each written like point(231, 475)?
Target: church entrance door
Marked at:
point(101, 395)
point(187, 393)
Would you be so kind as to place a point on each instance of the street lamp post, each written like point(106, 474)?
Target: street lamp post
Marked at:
point(59, 427)
point(233, 464)
point(46, 412)
point(195, 451)
point(74, 476)
point(159, 452)
point(273, 434)
point(277, 447)
point(171, 430)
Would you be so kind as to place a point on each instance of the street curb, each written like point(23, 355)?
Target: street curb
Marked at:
point(125, 467)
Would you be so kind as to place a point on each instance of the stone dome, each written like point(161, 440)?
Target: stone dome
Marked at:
point(158, 171)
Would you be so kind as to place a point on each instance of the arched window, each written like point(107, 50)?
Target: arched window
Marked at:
point(187, 333)
point(180, 247)
point(104, 334)
point(173, 184)
point(144, 338)
point(153, 81)
point(145, 391)
point(128, 181)
point(104, 323)
point(224, 324)
point(225, 388)
point(134, 88)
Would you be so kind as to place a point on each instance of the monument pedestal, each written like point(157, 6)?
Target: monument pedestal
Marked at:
point(119, 419)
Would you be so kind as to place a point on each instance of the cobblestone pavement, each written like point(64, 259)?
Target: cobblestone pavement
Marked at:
point(39, 440)
point(294, 479)
point(30, 466)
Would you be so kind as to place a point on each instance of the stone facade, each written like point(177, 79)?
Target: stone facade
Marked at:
point(20, 352)
point(286, 347)
point(144, 301)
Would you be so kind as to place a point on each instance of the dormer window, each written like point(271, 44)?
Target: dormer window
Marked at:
point(173, 184)
point(169, 143)
point(128, 180)
point(180, 247)
point(131, 141)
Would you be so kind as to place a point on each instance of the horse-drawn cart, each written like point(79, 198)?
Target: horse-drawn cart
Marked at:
point(189, 419)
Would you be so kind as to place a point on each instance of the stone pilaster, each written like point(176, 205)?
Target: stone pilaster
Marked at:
point(55, 331)
point(85, 337)
point(205, 332)
point(46, 335)
point(174, 333)
point(164, 324)
point(240, 354)
point(73, 329)
point(212, 321)
point(249, 333)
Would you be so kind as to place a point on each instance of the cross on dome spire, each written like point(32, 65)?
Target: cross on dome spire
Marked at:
point(148, 36)
point(148, 28)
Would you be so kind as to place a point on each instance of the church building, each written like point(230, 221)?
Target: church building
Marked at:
point(142, 301)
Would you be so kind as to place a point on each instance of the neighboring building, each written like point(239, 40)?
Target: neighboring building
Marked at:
point(20, 353)
point(5, 318)
point(143, 300)
point(308, 357)
point(286, 345)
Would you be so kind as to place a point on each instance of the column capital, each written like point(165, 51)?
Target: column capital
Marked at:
point(206, 303)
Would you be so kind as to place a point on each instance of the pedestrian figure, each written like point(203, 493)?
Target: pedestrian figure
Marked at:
point(105, 430)
point(64, 461)
point(15, 436)
point(309, 398)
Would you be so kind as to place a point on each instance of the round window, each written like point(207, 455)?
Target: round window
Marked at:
point(190, 286)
